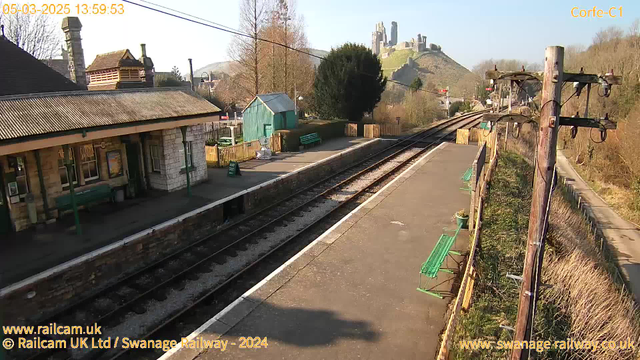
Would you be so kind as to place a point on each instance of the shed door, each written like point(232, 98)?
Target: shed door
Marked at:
point(5, 220)
point(268, 130)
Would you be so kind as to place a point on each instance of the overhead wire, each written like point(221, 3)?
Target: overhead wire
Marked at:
point(221, 27)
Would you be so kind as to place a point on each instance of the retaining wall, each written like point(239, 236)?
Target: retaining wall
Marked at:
point(64, 284)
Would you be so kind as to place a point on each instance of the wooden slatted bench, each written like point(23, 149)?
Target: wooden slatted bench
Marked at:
point(433, 265)
point(85, 197)
point(310, 139)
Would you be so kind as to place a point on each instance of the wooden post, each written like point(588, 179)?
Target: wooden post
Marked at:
point(545, 164)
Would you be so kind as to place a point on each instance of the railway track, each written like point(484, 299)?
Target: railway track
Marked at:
point(162, 297)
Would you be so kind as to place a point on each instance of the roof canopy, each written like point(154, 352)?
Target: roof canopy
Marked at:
point(275, 102)
point(46, 113)
point(112, 60)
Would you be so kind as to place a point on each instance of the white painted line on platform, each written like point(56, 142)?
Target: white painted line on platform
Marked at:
point(121, 243)
point(257, 286)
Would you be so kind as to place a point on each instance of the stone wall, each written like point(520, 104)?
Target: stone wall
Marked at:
point(172, 176)
point(51, 178)
point(78, 278)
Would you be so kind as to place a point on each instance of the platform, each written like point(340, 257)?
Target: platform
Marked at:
point(352, 292)
point(31, 251)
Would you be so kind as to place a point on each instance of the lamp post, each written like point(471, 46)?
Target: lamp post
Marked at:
point(208, 76)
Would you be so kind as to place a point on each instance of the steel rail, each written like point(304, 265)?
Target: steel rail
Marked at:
point(299, 232)
point(437, 127)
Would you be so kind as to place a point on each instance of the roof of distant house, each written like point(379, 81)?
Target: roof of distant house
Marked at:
point(40, 114)
point(115, 59)
point(59, 65)
point(275, 102)
point(21, 73)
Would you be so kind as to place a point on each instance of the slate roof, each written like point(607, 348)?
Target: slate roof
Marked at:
point(113, 60)
point(275, 102)
point(59, 65)
point(39, 114)
point(21, 73)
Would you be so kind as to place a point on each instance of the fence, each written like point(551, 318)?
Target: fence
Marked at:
point(481, 179)
point(222, 156)
point(215, 130)
point(524, 143)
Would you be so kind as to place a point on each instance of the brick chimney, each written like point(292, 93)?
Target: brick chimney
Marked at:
point(148, 66)
point(71, 26)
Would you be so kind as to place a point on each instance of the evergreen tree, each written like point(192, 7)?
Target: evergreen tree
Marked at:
point(349, 82)
point(416, 84)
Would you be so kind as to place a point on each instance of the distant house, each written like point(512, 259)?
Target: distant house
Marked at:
point(60, 65)
point(120, 70)
point(267, 113)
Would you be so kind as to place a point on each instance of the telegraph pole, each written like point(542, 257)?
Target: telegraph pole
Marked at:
point(544, 171)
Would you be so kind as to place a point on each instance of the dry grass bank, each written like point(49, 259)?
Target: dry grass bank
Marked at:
point(582, 302)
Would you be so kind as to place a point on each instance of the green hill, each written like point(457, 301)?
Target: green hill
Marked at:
point(435, 69)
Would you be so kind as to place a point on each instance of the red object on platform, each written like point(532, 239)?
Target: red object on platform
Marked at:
point(224, 117)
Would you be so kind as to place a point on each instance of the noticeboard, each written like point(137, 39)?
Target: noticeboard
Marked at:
point(234, 169)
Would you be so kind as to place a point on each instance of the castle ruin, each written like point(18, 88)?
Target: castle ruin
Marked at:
point(379, 41)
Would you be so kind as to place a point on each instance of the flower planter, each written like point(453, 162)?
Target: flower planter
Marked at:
point(462, 221)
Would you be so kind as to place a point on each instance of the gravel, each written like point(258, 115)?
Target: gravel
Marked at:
point(136, 325)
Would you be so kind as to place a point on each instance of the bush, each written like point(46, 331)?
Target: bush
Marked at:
point(326, 130)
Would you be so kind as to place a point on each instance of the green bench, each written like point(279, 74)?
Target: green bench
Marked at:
point(310, 139)
point(433, 265)
point(466, 177)
point(85, 197)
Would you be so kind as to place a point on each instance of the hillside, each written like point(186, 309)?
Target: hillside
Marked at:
point(435, 69)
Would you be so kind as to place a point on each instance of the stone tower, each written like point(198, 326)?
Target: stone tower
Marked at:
point(394, 34)
point(71, 26)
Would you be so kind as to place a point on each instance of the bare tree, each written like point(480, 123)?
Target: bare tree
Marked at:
point(38, 34)
point(244, 50)
point(289, 70)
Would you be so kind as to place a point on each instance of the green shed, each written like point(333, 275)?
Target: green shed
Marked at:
point(267, 113)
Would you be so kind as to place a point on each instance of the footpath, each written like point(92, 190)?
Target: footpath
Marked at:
point(622, 235)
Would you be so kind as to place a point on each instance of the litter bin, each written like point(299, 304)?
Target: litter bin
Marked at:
point(119, 195)
point(31, 208)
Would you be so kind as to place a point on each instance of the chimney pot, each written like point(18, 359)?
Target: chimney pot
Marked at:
point(144, 49)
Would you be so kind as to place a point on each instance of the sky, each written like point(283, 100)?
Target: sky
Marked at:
point(468, 31)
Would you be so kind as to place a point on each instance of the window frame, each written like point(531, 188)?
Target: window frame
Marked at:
point(189, 156)
point(73, 166)
point(95, 160)
point(156, 158)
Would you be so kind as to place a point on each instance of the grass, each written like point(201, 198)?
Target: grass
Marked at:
point(396, 59)
point(506, 218)
point(582, 302)
point(623, 200)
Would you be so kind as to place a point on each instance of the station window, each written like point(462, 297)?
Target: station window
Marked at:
point(19, 187)
point(89, 162)
point(156, 156)
point(62, 169)
point(189, 155)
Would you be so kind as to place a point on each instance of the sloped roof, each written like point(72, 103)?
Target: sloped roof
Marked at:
point(114, 60)
point(59, 65)
point(275, 102)
point(21, 73)
point(39, 114)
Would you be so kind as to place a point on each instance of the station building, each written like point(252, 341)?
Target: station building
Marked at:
point(56, 136)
